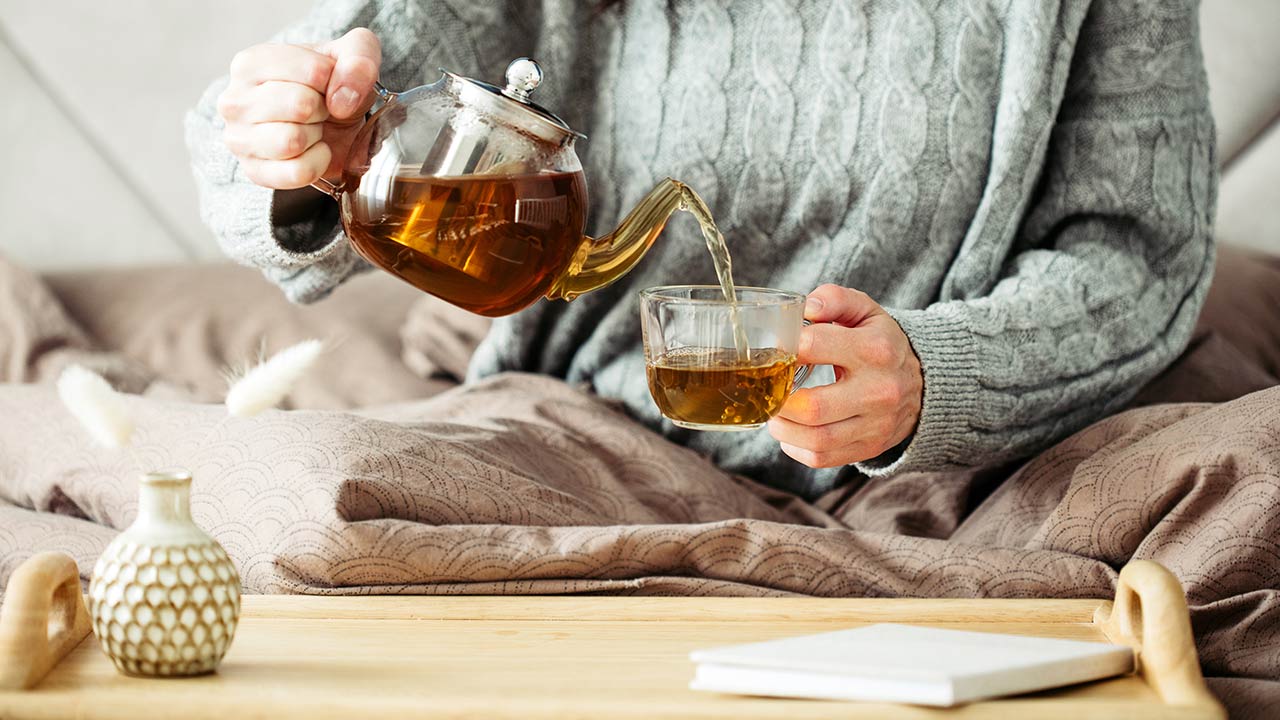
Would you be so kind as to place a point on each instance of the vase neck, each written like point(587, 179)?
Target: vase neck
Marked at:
point(165, 498)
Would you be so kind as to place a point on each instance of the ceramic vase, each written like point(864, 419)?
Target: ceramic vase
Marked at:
point(164, 596)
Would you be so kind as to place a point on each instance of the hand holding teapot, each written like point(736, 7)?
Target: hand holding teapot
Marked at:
point(468, 191)
point(291, 111)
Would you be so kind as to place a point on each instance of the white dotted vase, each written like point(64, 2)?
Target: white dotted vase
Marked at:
point(164, 596)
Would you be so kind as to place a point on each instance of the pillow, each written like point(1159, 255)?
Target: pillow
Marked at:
point(439, 338)
point(1209, 370)
point(189, 323)
point(38, 339)
point(1243, 305)
point(1235, 348)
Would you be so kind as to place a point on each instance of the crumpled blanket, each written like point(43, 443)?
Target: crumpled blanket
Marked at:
point(523, 484)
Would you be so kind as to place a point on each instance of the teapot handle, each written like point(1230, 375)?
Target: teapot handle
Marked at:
point(334, 189)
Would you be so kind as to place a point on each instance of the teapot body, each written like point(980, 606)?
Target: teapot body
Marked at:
point(474, 193)
point(461, 203)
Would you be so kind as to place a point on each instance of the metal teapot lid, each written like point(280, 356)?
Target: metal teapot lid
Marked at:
point(514, 103)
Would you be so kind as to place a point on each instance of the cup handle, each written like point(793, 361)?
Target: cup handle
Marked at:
point(334, 189)
point(802, 372)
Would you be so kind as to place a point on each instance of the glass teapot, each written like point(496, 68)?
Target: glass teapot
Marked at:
point(474, 193)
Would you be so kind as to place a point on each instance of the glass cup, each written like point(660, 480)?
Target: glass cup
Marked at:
point(699, 376)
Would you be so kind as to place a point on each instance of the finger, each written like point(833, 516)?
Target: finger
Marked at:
point(273, 101)
point(276, 62)
point(843, 306)
point(358, 59)
point(827, 344)
point(835, 458)
point(853, 348)
point(272, 141)
point(820, 438)
point(289, 174)
point(859, 437)
point(819, 405)
point(883, 396)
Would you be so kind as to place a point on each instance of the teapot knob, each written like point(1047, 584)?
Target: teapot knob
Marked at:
point(524, 75)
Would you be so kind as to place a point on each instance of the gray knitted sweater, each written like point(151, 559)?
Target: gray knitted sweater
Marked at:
point(1027, 185)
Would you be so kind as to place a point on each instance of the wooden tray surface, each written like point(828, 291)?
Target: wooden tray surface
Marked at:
point(561, 657)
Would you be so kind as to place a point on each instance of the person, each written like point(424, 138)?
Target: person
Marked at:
point(1003, 210)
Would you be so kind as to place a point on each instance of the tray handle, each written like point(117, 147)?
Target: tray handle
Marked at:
point(43, 619)
point(1150, 615)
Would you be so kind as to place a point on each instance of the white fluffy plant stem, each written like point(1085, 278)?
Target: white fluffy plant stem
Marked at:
point(100, 410)
point(266, 384)
point(104, 414)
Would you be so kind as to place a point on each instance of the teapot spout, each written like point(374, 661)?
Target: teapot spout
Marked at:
point(600, 261)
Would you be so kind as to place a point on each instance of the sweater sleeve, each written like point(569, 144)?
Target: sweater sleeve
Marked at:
point(309, 257)
point(1107, 273)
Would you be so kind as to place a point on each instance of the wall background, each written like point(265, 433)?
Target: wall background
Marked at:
point(92, 95)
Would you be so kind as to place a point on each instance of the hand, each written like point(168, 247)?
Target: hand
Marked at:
point(875, 402)
point(292, 111)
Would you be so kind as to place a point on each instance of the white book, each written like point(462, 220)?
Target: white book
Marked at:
point(905, 664)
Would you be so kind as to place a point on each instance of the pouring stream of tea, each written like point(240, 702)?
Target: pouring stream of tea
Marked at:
point(692, 204)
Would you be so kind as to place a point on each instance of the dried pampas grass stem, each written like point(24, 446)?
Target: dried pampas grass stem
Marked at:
point(100, 410)
point(104, 414)
point(266, 384)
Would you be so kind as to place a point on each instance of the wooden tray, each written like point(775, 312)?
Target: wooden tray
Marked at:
point(557, 657)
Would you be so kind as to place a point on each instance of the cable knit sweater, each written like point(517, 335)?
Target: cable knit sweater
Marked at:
point(1027, 185)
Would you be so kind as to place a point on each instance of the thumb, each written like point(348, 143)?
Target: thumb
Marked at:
point(357, 61)
point(840, 305)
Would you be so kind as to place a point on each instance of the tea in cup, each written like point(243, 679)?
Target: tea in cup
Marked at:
point(716, 365)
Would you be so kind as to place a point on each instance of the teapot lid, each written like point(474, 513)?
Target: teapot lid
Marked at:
point(514, 104)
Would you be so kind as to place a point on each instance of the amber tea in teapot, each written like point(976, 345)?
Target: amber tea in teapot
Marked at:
point(490, 244)
point(475, 194)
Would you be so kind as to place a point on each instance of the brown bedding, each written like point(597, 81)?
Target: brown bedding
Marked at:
point(523, 484)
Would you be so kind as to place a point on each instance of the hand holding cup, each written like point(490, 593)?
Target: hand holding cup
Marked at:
point(877, 397)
